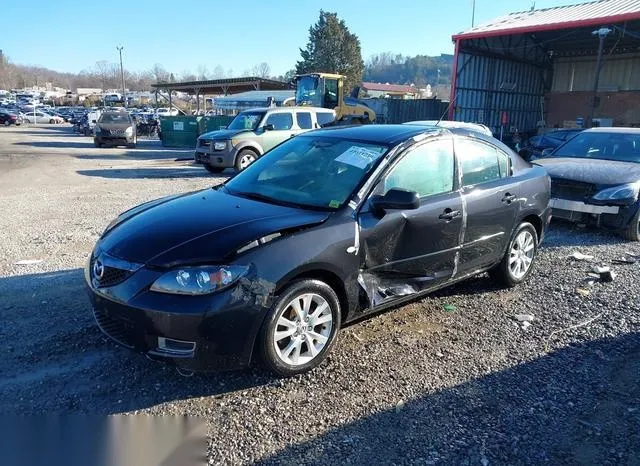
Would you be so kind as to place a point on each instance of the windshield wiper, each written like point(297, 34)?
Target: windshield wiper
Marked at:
point(269, 200)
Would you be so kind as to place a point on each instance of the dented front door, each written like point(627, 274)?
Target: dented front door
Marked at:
point(409, 251)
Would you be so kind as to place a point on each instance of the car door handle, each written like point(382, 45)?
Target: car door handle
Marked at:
point(449, 214)
point(508, 198)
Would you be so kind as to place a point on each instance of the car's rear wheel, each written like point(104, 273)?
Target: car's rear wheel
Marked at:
point(300, 328)
point(517, 263)
point(632, 233)
point(212, 169)
point(245, 158)
point(7, 122)
point(52, 121)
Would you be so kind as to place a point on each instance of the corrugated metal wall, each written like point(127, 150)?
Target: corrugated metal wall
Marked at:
point(619, 73)
point(400, 110)
point(487, 86)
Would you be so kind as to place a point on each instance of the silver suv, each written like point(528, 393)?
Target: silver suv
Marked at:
point(253, 132)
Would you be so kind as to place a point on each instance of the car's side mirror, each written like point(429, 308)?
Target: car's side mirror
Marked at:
point(394, 199)
point(268, 127)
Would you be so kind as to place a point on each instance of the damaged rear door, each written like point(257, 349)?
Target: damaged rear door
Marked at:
point(409, 251)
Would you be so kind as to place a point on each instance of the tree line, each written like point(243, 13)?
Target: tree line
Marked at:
point(331, 48)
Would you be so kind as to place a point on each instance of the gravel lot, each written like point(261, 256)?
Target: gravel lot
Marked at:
point(417, 385)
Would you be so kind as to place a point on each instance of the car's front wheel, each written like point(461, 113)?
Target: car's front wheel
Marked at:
point(245, 158)
point(517, 263)
point(300, 328)
point(632, 232)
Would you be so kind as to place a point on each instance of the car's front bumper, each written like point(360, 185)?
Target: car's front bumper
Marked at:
point(605, 216)
point(216, 158)
point(214, 332)
point(114, 140)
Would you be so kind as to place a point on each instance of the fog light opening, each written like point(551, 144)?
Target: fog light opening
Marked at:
point(176, 347)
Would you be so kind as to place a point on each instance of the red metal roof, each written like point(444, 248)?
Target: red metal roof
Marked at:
point(598, 13)
point(389, 88)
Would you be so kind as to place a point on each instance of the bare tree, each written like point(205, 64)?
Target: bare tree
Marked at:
point(203, 72)
point(263, 70)
point(159, 73)
point(102, 67)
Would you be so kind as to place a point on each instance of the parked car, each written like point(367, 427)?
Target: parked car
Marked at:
point(453, 124)
point(115, 128)
point(253, 132)
point(326, 228)
point(41, 117)
point(536, 146)
point(164, 112)
point(9, 118)
point(595, 178)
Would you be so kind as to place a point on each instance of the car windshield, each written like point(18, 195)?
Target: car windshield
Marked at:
point(115, 118)
point(307, 92)
point(309, 172)
point(246, 120)
point(618, 146)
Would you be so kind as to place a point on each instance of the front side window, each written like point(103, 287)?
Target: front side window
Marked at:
point(324, 118)
point(479, 162)
point(304, 120)
point(331, 93)
point(427, 170)
point(280, 121)
point(307, 92)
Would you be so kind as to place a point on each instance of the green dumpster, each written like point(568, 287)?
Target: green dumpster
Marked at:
point(180, 131)
point(214, 123)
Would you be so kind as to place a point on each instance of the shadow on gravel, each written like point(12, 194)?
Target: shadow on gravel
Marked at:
point(578, 405)
point(562, 234)
point(56, 360)
point(57, 145)
point(158, 173)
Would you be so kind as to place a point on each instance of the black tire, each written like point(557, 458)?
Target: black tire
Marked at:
point(267, 342)
point(241, 158)
point(97, 144)
point(52, 121)
point(7, 122)
point(502, 273)
point(211, 169)
point(632, 232)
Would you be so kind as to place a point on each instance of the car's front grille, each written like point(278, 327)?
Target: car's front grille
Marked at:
point(118, 331)
point(105, 273)
point(571, 190)
point(116, 132)
point(205, 143)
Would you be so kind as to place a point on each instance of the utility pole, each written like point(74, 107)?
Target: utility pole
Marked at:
point(473, 13)
point(602, 34)
point(124, 94)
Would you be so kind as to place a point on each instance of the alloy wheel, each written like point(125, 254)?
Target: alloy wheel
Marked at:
point(303, 329)
point(521, 254)
point(246, 160)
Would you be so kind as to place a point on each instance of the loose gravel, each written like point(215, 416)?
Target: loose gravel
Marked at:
point(451, 379)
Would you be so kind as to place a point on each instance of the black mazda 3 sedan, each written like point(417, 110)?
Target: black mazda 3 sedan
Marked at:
point(327, 227)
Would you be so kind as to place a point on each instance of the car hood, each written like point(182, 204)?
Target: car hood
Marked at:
point(600, 172)
point(223, 133)
point(197, 228)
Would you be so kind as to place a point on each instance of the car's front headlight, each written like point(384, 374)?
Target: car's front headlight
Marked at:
point(199, 280)
point(624, 192)
point(129, 131)
point(219, 145)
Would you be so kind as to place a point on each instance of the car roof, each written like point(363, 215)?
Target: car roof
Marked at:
point(385, 134)
point(288, 109)
point(613, 130)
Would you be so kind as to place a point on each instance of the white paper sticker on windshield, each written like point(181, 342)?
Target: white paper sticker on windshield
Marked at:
point(358, 156)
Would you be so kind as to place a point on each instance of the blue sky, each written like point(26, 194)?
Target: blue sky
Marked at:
point(73, 35)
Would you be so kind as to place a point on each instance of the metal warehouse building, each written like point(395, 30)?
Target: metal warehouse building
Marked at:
point(537, 68)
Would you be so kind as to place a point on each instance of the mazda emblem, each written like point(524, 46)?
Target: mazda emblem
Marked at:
point(98, 270)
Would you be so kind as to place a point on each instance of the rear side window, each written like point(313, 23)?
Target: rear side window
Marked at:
point(479, 162)
point(280, 121)
point(324, 118)
point(304, 120)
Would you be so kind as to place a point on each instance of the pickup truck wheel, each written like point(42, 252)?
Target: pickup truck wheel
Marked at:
point(245, 158)
point(517, 263)
point(211, 169)
point(632, 232)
